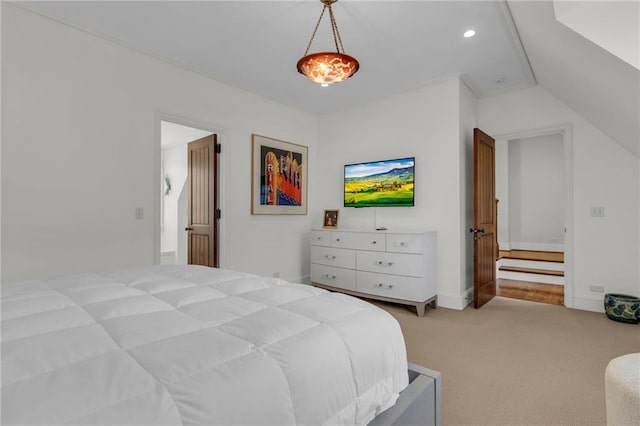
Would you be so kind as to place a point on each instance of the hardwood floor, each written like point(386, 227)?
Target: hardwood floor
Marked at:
point(535, 292)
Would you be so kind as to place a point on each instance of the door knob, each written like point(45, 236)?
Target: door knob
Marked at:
point(477, 233)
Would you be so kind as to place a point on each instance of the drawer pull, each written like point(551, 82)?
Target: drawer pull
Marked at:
point(374, 242)
point(318, 238)
point(337, 239)
point(330, 277)
point(388, 286)
point(330, 257)
point(381, 263)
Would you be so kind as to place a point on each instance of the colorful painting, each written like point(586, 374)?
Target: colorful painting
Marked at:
point(278, 177)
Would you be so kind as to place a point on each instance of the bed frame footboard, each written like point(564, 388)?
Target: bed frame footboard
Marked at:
point(418, 404)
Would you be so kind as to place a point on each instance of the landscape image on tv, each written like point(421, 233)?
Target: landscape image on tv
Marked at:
point(386, 183)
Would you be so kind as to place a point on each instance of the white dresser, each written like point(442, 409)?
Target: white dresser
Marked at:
point(392, 266)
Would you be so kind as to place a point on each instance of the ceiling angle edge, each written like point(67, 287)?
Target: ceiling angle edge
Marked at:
point(517, 41)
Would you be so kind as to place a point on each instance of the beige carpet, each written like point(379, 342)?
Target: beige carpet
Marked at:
point(514, 362)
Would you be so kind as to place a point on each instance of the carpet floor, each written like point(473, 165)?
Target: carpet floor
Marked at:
point(514, 362)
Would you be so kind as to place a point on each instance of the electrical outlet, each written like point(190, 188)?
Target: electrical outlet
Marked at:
point(139, 213)
point(597, 211)
point(276, 275)
point(597, 289)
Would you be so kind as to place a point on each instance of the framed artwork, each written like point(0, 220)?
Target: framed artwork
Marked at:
point(330, 219)
point(278, 176)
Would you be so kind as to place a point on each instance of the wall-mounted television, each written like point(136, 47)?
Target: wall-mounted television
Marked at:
point(387, 183)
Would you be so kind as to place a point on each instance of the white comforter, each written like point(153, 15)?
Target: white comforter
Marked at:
point(194, 345)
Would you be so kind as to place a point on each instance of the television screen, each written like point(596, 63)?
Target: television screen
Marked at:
point(386, 183)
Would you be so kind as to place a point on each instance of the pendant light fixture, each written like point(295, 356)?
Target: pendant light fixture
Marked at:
point(328, 68)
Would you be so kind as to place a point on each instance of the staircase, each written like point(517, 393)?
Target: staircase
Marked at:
point(532, 266)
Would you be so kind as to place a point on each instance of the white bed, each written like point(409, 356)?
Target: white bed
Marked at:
point(194, 345)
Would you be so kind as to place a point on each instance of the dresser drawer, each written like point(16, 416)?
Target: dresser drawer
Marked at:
point(404, 243)
point(321, 238)
point(397, 287)
point(358, 240)
point(341, 258)
point(334, 277)
point(390, 263)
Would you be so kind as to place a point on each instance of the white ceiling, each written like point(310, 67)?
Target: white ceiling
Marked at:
point(595, 83)
point(255, 45)
point(586, 18)
point(401, 45)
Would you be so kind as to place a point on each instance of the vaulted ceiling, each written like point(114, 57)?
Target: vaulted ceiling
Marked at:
point(598, 85)
point(401, 45)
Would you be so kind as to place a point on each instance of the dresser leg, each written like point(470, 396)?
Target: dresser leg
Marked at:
point(420, 307)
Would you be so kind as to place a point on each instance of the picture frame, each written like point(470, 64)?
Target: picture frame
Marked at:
point(279, 173)
point(330, 219)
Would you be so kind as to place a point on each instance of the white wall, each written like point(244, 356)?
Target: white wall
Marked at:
point(424, 123)
point(468, 121)
point(81, 148)
point(536, 193)
point(605, 250)
point(502, 192)
point(1, 137)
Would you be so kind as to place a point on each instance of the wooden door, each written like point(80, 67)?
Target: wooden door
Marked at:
point(202, 241)
point(484, 226)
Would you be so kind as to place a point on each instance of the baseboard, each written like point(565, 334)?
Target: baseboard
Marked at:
point(536, 247)
point(468, 296)
point(305, 279)
point(592, 304)
point(504, 246)
point(452, 301)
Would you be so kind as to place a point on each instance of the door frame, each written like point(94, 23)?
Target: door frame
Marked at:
point(158, 179)
point(566, 131)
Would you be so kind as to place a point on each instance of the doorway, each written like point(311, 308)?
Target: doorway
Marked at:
point(174, 194)
point(534, 193)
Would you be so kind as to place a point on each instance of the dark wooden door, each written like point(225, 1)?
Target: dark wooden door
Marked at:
point(203, 202)
point(484, 226)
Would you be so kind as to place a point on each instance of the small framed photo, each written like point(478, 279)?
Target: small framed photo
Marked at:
point(330, 219)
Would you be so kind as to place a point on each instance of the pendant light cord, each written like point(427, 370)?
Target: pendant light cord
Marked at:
point(336, 33)
point(315, 30)
point(334, 28)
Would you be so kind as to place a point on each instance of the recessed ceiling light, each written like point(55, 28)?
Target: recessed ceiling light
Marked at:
point(469, 33)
